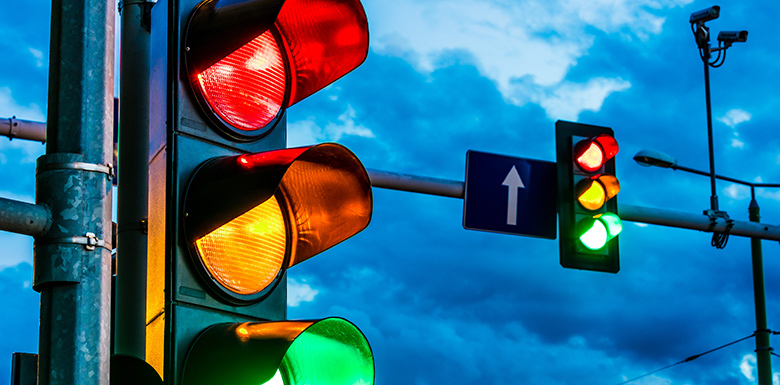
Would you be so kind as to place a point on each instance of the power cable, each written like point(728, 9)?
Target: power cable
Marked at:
point(689, 359)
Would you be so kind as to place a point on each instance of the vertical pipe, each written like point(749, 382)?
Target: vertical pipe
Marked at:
point(72, 180)
point(132, 208)
point(763, 349)
point(714, 196)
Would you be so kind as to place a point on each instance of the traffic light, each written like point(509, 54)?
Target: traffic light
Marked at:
point(587, 204)
point(231, 208)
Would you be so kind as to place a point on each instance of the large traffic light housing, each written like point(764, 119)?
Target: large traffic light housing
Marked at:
point(231, 209)
point(587, 205)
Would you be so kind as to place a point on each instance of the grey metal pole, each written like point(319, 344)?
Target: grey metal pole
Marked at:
point(23, 129)
point(72, 261)
point(714, 192)
point(418, 184)
point(763, 347)
point(631, 213)
point(24, 218)
point(132, 208)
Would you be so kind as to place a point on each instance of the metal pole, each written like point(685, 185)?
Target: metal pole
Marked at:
point(132, 208)
point(23, 129)
point(418, 184)
point(24, 218)
point(763, 349)
point(631, 213)
point(72, 261)
point(714, 196)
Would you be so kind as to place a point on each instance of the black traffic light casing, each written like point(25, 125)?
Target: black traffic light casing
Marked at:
point(571, 215)
point(184, 136)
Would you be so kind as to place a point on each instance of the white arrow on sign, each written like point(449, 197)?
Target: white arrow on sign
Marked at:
point(514, 182)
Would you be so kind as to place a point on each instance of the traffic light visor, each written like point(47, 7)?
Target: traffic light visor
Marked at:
point(249, 60)
point(327, 193)
point(249, 217)
point(324, 352)
point(325, 40)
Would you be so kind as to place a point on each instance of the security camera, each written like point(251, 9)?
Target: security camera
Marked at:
point(729, 37)
point(708, 14)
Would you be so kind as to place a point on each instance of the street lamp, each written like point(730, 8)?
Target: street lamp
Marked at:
point(649, 158)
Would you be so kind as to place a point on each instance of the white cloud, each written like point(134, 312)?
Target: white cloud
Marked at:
point(735, 191)
point(747, 366)
point(569, 99)
point(773, 194)
point(736, 143)
point(537, 41)
point(38, 55)
point(304, 133)
point(307, 132)
point(734, 117)
point(9, 107)
point(346, 126)
point(298, 292)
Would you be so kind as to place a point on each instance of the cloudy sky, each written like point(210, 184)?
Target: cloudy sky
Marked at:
point(444, 305)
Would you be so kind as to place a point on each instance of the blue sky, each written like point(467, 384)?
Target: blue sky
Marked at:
point(441, 304)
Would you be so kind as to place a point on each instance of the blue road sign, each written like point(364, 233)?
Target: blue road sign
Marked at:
point(510, 195)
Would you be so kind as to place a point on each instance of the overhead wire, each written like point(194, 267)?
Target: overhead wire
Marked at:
point(689, 359)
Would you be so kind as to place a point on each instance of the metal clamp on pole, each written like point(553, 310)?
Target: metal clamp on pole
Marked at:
point(107, 168)
point(719, 240)
point(89, 240)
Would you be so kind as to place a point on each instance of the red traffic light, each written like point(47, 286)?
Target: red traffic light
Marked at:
point(591, 154)
point(245, 74)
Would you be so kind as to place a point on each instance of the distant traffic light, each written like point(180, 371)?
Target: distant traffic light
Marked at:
point(587, 207)
point(231, 209)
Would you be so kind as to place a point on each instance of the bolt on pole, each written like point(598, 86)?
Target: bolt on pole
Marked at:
point(72, 260)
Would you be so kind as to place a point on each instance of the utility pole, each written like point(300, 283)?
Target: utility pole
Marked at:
point(73, 180)
point(132, 211)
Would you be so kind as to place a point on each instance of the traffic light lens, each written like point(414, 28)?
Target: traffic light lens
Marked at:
point(595, 236)
point(591, 158)
point(246, 88)
point(591, 194)
point(246, 254)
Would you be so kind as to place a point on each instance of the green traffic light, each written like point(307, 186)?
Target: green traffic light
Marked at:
point(596, 232)
point(595, 236)
point(329, 352)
